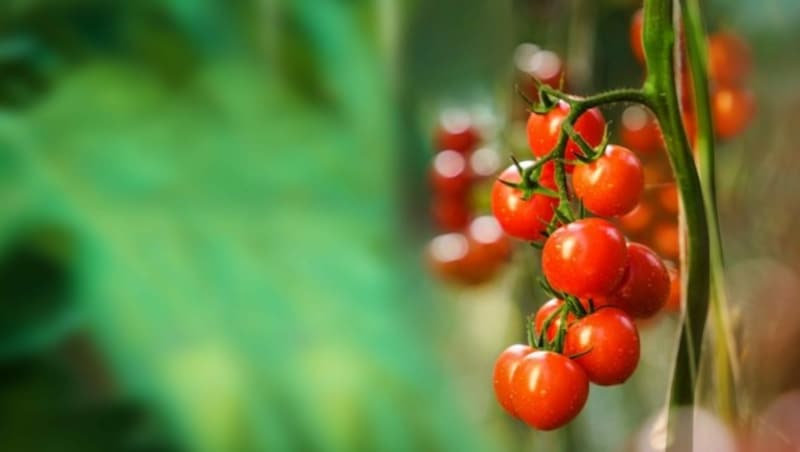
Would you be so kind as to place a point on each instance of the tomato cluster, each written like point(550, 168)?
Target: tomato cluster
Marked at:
point(471, 247)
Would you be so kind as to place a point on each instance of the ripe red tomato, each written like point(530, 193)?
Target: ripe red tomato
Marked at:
point(548, 390)
point(666, 240)
point(635, 35)
point(450, 213)
point(610, 343)
point(586, 258)
point(637, 219)
point(729, 58)
point(504, 369)
point(450, 173)
point(645, 286)
point(522, 219)
point(486, 236)
point(544, 312)
point(611, 185)
point(731, 110)
point(456, 132)
point(668, 198)
point(640, 130)
point(543, 130)
point(673, 303)
point(454, 257)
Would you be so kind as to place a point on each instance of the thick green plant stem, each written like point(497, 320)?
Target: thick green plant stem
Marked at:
point(659, 46)
point(725, 363)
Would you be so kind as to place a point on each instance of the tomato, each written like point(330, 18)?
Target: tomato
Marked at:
point(522, 219)
point(544, 312)
point(666, 240)
point(455, 257)
point(450, 173)
point(586, 258)
point(486, 235)
point(548, 390)
point(668, 198)
point(729, 58)
point(637, 219)
point(456, 132)
point(504, 369)
point(450, 213)
point(543, 130)
point(640, 130)
point(673, 303)
point(635, 35)
point(609, 341)
point(611, 185)
point(645, 286)
point(731, 110)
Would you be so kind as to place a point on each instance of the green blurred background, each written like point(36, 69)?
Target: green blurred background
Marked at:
point(213, 214)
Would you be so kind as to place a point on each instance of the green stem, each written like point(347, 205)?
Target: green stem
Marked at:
point(725, 366)
point(660, 86)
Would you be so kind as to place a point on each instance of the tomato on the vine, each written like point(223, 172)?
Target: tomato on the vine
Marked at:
point(611, 185)
point(548, 390)
point(666, 240)
point(607, 343)
point(450, 213)
point(543, 131)
point(729, 59)
point(523, 219)
point(637, 219)
point(450, 173)
point(504, 369)
point(635, 35)
point(456, 132)
point(486, 236)
point(731, 110)
point(645, 286)
point(455, 257)
point(585, 258)
point(544, 312)
point(640, 130)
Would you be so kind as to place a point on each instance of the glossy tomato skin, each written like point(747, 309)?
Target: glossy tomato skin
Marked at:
point(611, 185)
point(548, 390)
point(635, 35)
point(522, 219)
point(729, 58)
point(645, 287)
point(543, 130)
point(586, 258)
point(732, 109)
point(609, 341)
point(504, 369)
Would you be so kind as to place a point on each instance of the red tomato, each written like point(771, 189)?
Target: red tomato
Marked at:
point(611, 185)
point(548, 390)
point(450, 213)
point(637, 219)
point(640, 130)
point(544, 312)
point(450, 173)
point(455, 257)
point(486, 235)
point(673, 303)
point(729, 58)
point(668, 198)
point(666, 240)
point(522, 219)
point(635, 35)
point(609, 341)
point(456, 132)
point(504, 369)
point(586, 258)
point(645, 286)
point(543, 130)
point(731, 110)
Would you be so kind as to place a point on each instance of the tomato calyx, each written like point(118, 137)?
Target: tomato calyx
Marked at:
point(571, 308)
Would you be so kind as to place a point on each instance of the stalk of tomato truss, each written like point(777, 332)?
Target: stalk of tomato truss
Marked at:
point(725, 365)
point(659, 46)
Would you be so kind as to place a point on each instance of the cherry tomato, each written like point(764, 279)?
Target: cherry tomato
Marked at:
point(543, 130)
point(609, 343)
point(731, 110)
point(637, 219)
point(450, 213)
point(455, 258)
point(635, 34)
point(456, 132)
point(548, 390)
point(611, 185)
point(504, 369)
point(666, 240)
point(645, 286)
point(668, 198)
point(522, 219)
point(586, 258)
point(486, 235)
point(544, 312)
point(450, 173)
point(640, 130)
point(729, 58)
point(673, 303)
